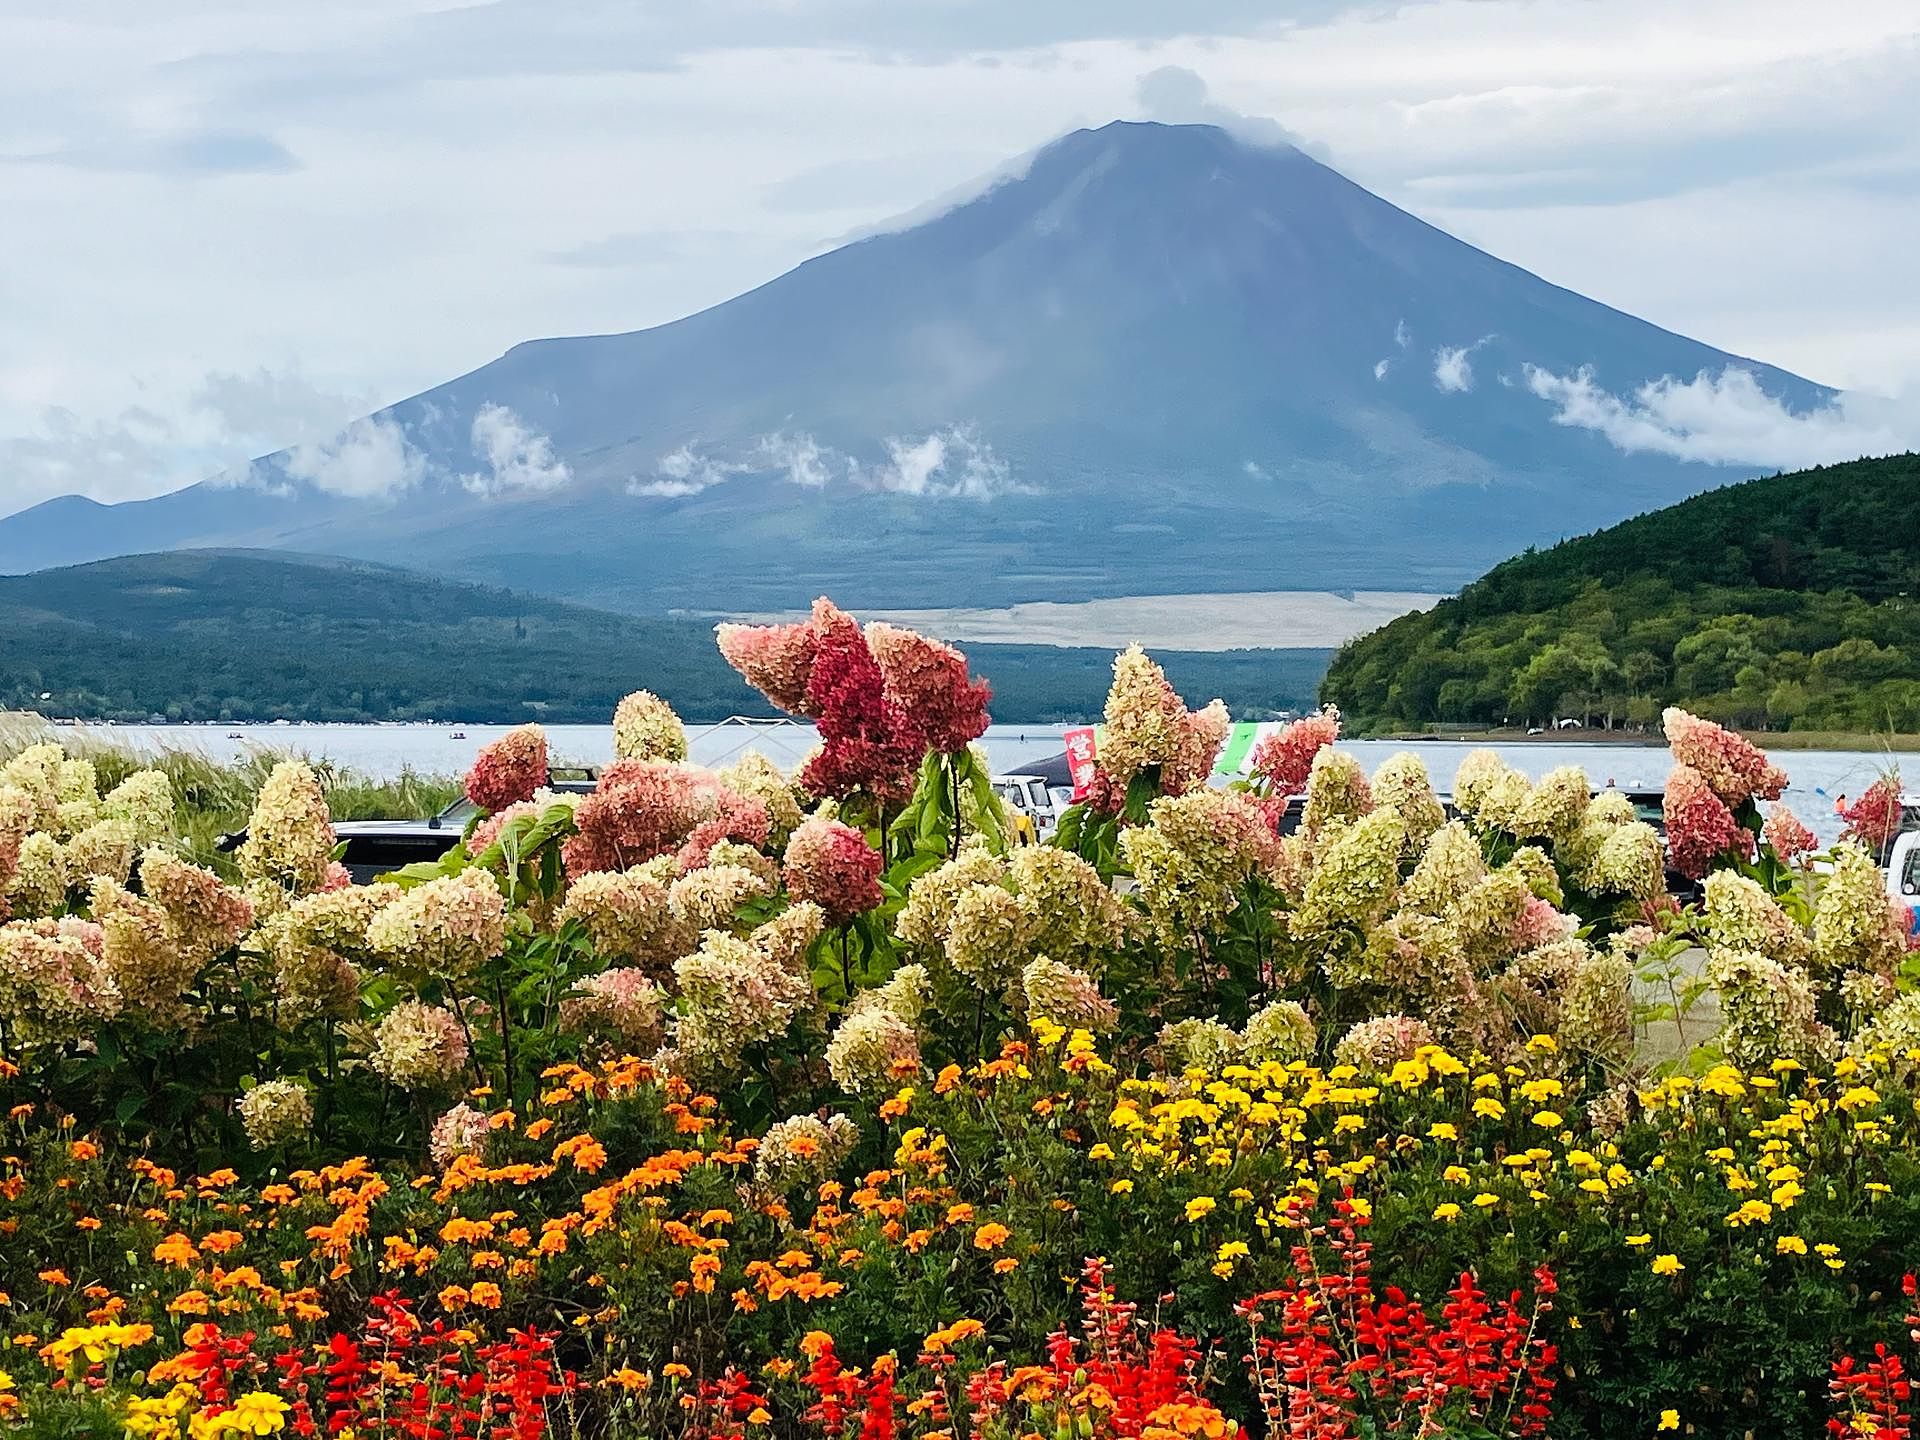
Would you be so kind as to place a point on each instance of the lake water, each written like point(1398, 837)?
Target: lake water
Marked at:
point(384, 750)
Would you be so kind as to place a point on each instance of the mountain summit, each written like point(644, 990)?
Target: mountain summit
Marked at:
point(1160, 359)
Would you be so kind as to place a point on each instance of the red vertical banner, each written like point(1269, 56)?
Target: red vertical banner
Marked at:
point(1080, 759)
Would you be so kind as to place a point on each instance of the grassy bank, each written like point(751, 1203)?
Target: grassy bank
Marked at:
point(211, 797)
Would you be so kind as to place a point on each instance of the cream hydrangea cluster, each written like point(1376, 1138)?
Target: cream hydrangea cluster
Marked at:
point(989, 916)
point(620, 1008)
point(876, 1044)
point(627, 917)
point(1065, 995)
point(58, 832)
point(1193, 858)
point(446, 929)
point(738, 992)
point(289, 844)
point(418, 1046)
point(803, 1150)
point(1149, 725)
point(55, 983)
point(275, 1112)
point(758, 778)
point(645, 728)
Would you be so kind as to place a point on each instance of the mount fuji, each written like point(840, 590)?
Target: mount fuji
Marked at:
point(1158, 359)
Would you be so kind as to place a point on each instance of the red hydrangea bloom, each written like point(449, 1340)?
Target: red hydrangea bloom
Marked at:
point(510, 769)
point(868, 743)
point(1700, 827)
point(929, 682)
point(775, 659)
point(1784, 832)
point(832, 865)
point(1733, 767)
point(1875, 818)
point(1285, 758)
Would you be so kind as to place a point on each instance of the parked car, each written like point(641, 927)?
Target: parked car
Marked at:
point(1903, 876)
point(1028, 796)
point(375, 847)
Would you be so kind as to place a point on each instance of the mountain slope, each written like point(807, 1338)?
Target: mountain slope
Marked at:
point(228, 635)
point(1159, 358)
point(1784, 602)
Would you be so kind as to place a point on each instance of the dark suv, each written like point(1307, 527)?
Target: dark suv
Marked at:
point(374, 847)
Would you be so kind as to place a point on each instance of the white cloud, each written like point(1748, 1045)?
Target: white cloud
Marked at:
point(1728, 419)
point(1402, 336)
point(1256, 471)
point(1452, 371)
point(1178, 95)
point(1380, 368)
point(954, 462)
point(518, 457)
point(804, 462)
point(685, 472)
point(371, 458)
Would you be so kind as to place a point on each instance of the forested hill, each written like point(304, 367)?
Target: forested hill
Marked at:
point(239, 635)
point(1785, 602)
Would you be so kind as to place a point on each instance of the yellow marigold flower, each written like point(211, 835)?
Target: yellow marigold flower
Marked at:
point(1441, 1130)
point(1446, 1211)
point(1639, 1240)
point(1667, 1265)
point(1789, 1245)
point(1102, 1151)
point(1456, 1175)
point(1669, 1420)
point(1489, 1107)
point(1200, 1205)
point(1548, 1119)
point(1486, 1199)
point(256, 1413)
point(1121, 1187)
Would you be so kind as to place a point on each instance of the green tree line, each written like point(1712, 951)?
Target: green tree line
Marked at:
point(1781, 603)
point(233, 636)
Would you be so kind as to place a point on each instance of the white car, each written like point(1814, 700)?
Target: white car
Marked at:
point(1030, 796)
point(1903, 875)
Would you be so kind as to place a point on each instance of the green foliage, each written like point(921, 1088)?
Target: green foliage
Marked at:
point(233, 635)
point(1783, 603)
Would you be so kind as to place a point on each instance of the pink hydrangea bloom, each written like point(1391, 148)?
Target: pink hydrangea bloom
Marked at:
point(1875, 818)
point(1700, 827)
point(488, 830)
point(929, 682)
point(775, 659)
point(1784, 832)
point(510, 769)
point(1284, 759)
point(644, 808)
point(832, 865)
point(1734, 768)
point(639, 809)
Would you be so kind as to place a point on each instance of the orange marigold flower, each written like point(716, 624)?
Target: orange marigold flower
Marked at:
point(990, 1236)
point(485, 1293)
point(55, 1277)
point(84, 1150)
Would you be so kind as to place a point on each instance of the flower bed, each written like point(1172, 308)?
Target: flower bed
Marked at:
point(721, 1103)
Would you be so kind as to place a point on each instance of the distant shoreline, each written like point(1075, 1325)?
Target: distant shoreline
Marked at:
point(1849, 740)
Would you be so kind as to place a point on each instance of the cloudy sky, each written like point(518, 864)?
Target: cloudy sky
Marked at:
point(229, 225)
